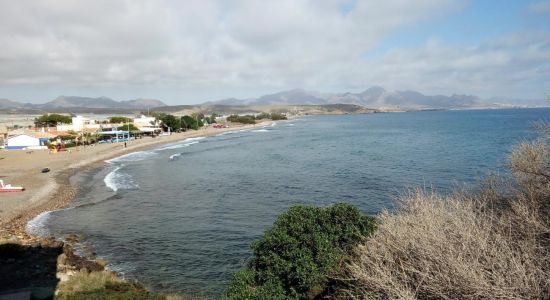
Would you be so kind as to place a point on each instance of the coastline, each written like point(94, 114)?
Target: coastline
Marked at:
point(55, 191)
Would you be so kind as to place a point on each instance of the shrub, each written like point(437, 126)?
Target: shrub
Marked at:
point(276, 117)
point(105, 285)
point(52, 120)
point(119, 120)
point(242, 119)
point(298, 255)
point(492, 244)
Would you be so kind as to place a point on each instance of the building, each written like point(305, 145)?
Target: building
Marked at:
point(78, 124)
point(147, 124)
point(26, 141)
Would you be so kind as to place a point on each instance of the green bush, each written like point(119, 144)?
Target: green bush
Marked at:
point(298, 255)
point(242, 119)
point(276, 117)
point(118, 120)
point(263, 116)
point(52, 120)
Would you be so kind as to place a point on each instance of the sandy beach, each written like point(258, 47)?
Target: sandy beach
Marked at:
point(52, 190)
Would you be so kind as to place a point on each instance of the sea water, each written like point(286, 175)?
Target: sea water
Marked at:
point(181, 217)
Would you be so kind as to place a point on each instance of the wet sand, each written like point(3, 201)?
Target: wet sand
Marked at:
point(52, 190)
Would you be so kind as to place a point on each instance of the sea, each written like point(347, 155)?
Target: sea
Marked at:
point(180, 217)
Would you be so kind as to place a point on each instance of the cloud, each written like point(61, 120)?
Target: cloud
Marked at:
point(516, 65)
point(187, 48)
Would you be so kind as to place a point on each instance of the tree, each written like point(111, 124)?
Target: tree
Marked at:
point(118, 120)
point(242, 119)
point(296, 257)
point(171, 122)
point(191, 123)
point(129, 127)
point(263, 116)
point(52, 120)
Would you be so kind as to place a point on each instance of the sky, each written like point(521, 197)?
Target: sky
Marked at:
point(185, 52)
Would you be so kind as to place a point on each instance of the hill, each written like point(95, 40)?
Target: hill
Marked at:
point(374, 97)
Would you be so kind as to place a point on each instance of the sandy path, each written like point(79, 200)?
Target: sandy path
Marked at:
point(49, 191)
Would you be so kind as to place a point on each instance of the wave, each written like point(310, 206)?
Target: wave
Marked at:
point(116, 180)
point(36, 226)
point(232, 132)
point(134, 156)
point(185, 143)
point(261, 130)
point(175, 156)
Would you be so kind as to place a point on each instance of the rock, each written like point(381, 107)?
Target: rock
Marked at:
point(57, 244)
point(62, 259)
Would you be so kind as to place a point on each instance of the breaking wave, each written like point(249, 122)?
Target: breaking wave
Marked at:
point(116, 180)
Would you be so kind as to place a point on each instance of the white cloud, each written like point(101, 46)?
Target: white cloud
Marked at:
point(175, 49)
point(501, 67)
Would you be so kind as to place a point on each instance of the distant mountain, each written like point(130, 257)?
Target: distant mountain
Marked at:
point(100, 102)
point(142, 103)
point(10, 104)
point(374, 97)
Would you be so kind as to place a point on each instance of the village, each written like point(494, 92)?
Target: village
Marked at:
point(58, 132)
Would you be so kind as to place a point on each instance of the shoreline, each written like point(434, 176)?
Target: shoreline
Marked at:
point(59, 192)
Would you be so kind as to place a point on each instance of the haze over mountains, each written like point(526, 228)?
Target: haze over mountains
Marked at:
point(68, 102)
point(374, 97)
point(379, 98)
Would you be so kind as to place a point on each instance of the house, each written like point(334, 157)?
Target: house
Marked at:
point(26, 141)
point(148, 125)
point(78, 124)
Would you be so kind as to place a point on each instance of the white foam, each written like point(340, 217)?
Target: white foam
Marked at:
point(116, 180)
point(134, 156)
point(232, 132)
point(175, 156)
point(261, 130)
point(273, 124)
point(36, 225)
point(185, 143)
point(291, 124)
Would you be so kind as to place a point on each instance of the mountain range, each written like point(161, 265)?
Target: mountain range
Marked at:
point(379, 98)
point(373, 98)
point(75, 102)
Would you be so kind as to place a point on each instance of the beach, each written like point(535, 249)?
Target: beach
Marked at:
point(52, 190)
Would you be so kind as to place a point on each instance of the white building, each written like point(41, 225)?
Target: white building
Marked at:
point(78, 124)
point(147, 124)
point(25, 141)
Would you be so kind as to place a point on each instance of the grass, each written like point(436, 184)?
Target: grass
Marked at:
point(105, 285)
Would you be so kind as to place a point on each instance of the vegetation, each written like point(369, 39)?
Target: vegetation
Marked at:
point(272, 116)
point(89, 138)
point(211, 119)
point(298, 255)
point(186, 122)
point(493, 243)
point(52, 120)
point(129, 127)
point(104, 285)
point(248, 119)
point(118, 120)
point(263, 116)
point(277, 117)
